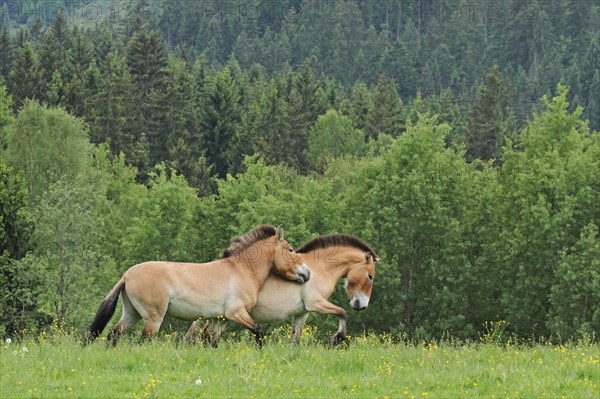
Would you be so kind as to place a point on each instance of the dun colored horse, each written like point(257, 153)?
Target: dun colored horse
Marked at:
point(228, 286)
point(330, 258)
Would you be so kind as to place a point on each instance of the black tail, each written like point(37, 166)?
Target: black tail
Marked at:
point(104, 313)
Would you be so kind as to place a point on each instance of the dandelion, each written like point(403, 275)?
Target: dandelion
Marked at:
point(8, 340)
point(198, 382)
point(25, 349)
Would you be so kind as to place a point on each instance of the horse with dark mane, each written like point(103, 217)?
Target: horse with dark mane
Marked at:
point(228, 286)
point(330, 258)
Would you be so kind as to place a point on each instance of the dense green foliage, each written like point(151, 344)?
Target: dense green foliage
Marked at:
point(441, 132)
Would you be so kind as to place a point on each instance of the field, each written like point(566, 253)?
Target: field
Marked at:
point(58, 367)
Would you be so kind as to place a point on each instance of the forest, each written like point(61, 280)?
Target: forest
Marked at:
point(458, 138)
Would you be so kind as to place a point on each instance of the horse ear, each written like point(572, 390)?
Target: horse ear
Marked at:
point(279, 232)
point(369, 256)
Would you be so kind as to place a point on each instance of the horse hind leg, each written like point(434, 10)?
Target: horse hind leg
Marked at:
point(151, 327)
point(129, 317)
point(126, 321)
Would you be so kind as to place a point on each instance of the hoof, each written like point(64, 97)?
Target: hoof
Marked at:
point(337, 338)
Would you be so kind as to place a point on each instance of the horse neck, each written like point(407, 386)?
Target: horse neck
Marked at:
point(333, 261)
point(257, 260)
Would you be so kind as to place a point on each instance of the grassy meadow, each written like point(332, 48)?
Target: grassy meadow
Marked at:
point(56, 366)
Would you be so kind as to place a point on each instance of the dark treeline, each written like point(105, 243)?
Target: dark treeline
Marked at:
point(457, 137)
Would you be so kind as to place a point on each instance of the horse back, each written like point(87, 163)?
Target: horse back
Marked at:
point(185, 290)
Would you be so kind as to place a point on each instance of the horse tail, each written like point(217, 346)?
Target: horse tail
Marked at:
point(105, 312)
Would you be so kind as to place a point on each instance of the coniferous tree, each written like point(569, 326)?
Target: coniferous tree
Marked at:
point(79, 57)
point(108, 107)
point(5, 53)
point(385, 113)
point(104, 43)
point(147, 61)
point(53, 52)
point(278, 52)
point(37, 31)
point(139, 16)
point(55, 90)
point(180, 119)
point(347, 36)
point(306, 102)
point(486, 129)
point(266, 129)
point(588, 80)
point(220, 119)
point(6, 115)
point(22, 37)
point(25, 77)
point(361, 104)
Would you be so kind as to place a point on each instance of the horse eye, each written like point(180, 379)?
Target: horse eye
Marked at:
point(370, 276)
point(290, 250)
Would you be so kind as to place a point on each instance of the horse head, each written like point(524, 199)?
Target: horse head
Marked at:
point(359, 281)
point(286, 262)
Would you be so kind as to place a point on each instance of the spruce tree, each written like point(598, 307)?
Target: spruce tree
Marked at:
point(53, 52)
point(486, 130)
point(147, 61)
point(25, 77)
point(306, 101)
point(220, 119)
point(109, 106)
point(180, 120)
point(266, 128)
point(79, 57)
point(5, 53)
point(385, 113)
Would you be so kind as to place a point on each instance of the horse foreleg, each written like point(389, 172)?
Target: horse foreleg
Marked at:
point(242, 317)
point(190, 336)
point(297, 326)
point(326, 307)
point(213, 330)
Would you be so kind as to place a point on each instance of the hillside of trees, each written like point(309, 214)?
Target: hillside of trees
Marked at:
point(459, 138)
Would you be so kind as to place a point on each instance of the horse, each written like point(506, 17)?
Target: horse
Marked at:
point(228, 286)
point(330, 258)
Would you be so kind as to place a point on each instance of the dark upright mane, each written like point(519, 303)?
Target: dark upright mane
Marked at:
point(244, 241)
point(336, 240)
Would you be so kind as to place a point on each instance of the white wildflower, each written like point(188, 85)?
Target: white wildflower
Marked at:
point(198, 381)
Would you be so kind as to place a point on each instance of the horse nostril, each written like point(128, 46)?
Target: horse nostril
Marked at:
point(303, 277)
point(356, 305)
point(306, 276)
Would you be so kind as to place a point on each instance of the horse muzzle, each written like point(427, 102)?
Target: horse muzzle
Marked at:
point(359, 302)
point(303, 275)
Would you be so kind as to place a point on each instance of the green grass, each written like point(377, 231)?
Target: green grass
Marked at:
point(58, 367)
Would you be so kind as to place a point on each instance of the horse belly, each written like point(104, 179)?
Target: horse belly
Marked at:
point(195, 307)
point(276, 303)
